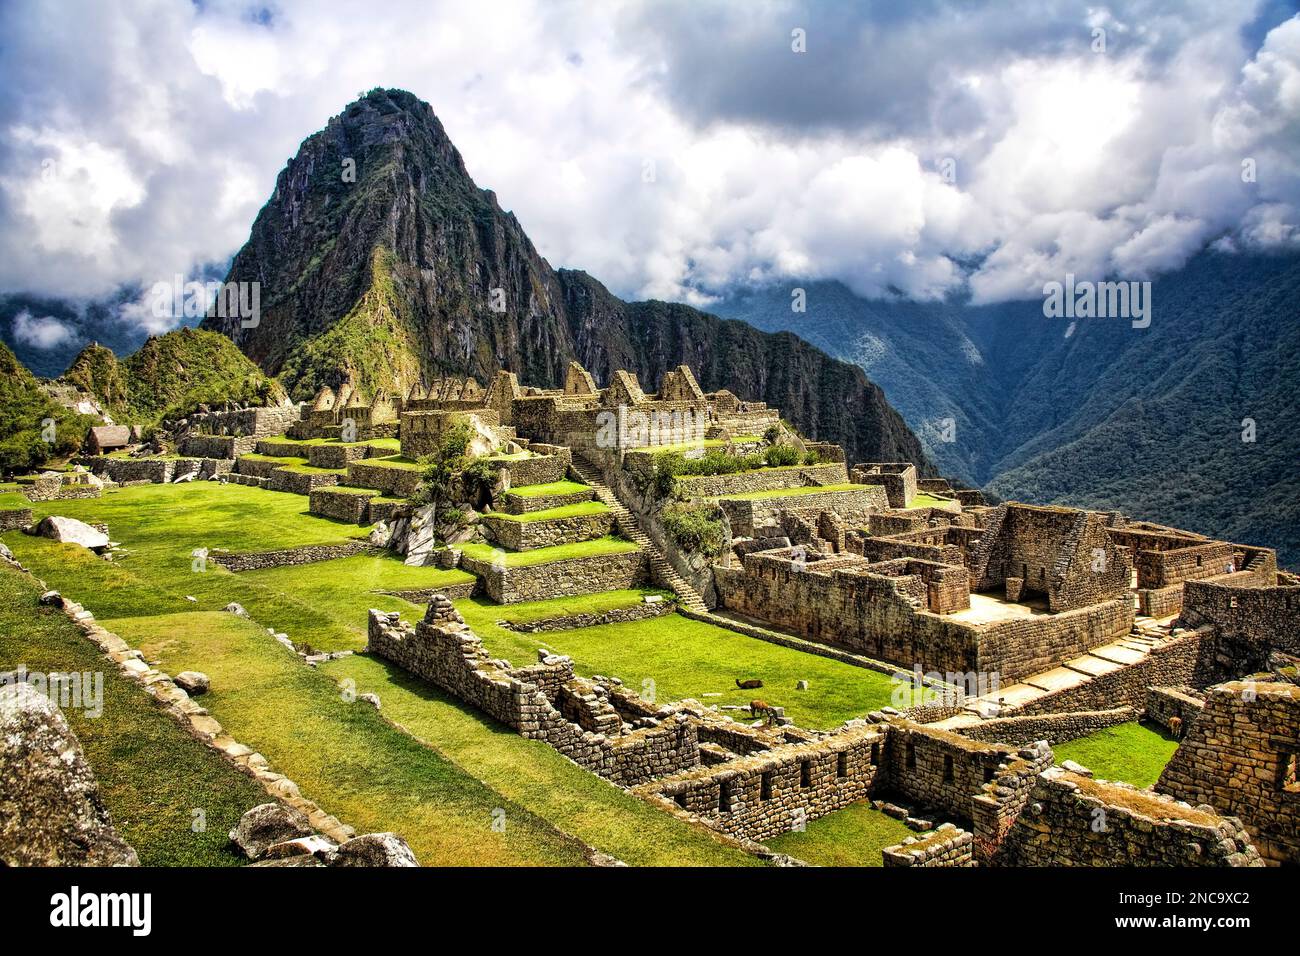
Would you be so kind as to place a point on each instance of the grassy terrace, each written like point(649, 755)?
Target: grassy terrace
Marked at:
point(393, 461)
point(12, 501)
point(275, 459)
point(152, 774)
point(686, 658)
point(791, 492)
point(550, 488)
point(596, 548)
point(702, 443)
point(1133, 753)
point(313, 470)
point(340, 754)
point(922, 500)
point(387, 444)
point(552, 514)
point(853, 836)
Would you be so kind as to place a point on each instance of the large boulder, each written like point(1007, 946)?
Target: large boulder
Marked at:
point(421, 538)
point(267, 824)
point(51, 813)
point(72, 531)
point(374, 849)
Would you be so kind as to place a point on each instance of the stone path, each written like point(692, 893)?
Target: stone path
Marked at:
point(630, 528)
point(1145, 636)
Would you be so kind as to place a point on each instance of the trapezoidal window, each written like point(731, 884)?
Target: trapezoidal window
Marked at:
point(765, 786)
point(805, 773)
point(875, 757)
point(1290, 773)
point(842, 762)
point(724, 796)
point(911, 755)
point(947, 768)
point(681, 799)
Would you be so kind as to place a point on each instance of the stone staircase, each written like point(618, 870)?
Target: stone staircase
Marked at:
point(628, 525)
point(1145, 637)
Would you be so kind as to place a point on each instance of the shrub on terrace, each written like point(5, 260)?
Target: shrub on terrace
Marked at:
point(781, 455)
point(450, 466)
point(698, 529)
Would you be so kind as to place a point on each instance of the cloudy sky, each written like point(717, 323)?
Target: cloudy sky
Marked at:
point(922, 148)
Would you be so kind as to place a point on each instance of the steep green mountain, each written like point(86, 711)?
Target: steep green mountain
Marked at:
point(170, 375)
point(407, 271)
point(26, 413)
point(1149, 421)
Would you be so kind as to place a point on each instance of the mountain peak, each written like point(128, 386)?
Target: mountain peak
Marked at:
point(381, 262)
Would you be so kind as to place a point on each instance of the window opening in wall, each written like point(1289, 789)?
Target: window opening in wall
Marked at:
point(988, 774)
point(911, 756)
point(724, 796)
point(875, 757)
point(681, 799)
point(765, 790)
point(1291, 773)
point(805, 773)
point(947, 769)
point(842, 762)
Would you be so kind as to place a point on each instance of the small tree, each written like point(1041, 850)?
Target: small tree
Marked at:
point(449, 465)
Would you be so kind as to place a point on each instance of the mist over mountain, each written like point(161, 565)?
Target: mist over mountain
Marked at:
point(380, 261)
point(1094, 413)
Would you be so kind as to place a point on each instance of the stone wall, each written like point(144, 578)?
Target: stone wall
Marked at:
point(529, 535)
point(898, 480)
point(1072, 820)
point(1054, 728)
point(398, 482)
point(341, 504)
point(940, 769)
point(886, 618)
point(1248, 623)
point(1240, 756)
point(947, 846)
point(568, 622)
point(1166, 703)
point(444, 651)
point(308, 554)
point(762, 479)
point(14, 519)
point(518, 504)
point(216, 446)
point(123, 470)
point(771, 792)
point(576, 576)
point(302, 482)
point(541, 469)
point(244, 422)
point(1062, 554)
point(748, 514)
point(1158, 569)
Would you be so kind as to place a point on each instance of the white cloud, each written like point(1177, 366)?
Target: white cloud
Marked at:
point(165, 135)
point(44, 332)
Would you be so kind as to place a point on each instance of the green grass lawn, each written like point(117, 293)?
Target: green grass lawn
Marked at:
point(552, 514)
point(13, 501)
point(152, 774)
point(852, 836)
point(342, 753)
point(550, 488)
point(276, 459)
point(686, 658)
point(922, 500)
point(313, 470)
point(597, 547)
point(537, 776)
point(384, 444)
point(393, 461)
point(791, 492)
point(266, 697)
point(1133, 753)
